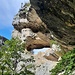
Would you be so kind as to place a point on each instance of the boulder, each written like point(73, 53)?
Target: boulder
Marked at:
point(30, 20)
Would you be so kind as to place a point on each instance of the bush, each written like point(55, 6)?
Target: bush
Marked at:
point(66, 65)
point(10, 56)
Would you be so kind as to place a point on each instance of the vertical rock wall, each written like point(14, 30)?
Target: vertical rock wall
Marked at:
point(59, 17)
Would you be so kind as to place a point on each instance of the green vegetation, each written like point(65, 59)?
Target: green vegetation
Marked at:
point(30, 66)
point(53, 42)
point(10, 56)
point(66, 65)
point(27, 4)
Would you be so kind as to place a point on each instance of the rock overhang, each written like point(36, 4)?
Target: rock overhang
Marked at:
point(59, 17)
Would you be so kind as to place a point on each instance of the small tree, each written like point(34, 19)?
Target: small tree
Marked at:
point(10, 56)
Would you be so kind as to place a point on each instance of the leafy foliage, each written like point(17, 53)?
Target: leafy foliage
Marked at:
point(53, 42)
point(66, 65)
point(27, 4)
point(10, 56)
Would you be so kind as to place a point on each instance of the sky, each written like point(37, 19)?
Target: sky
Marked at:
point(8, 8)
point(36, 51)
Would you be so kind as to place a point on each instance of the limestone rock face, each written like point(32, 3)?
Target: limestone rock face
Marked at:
point(33, 16)
point(26, 24)
point(29, 19)
point(43, 65)
point(25, 32)
point(16, 33)
point(59, 17)
point(37, 42)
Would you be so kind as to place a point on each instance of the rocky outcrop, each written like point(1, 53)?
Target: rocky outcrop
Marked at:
point(43, 65)
point(29, 28)
point(37, 42)
point(59, 17)
point(2, 40)
point(28, 19)
point(16, 33)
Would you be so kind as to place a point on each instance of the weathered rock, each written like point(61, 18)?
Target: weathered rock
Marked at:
point(45, 68)
point(43, 65)
point(51, 54)
point(25, 32)
point(32, 40)
point(43, 37)
point(33, 16)
point(52, 57)
point(39, 41)
point(30, 20)
point(2, 40)
point(59, 16)
point(16, 34)
point(36, 43)
point(35, 27)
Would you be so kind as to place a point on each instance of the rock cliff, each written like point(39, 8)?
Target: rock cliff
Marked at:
point(29, 27)
point(54, 17)
point(34, 22)
point(59, 17)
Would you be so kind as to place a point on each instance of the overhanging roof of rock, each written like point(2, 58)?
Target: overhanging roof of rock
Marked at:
point(33, 21)
point(59, 16)
point(35, 27)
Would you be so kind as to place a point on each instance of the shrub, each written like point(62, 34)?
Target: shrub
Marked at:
point(10, 56)
point(66, 64)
